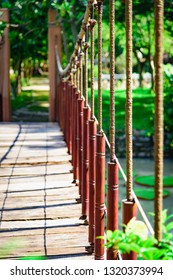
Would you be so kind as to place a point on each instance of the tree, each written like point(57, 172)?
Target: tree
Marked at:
point(28, 35)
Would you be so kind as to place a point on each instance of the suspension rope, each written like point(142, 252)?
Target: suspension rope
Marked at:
point(129, 144)
point(158, 136)
point(92, 24)
point(81, 72)
point(86, 67)
point(100, 11)
point(112, 83)
point(77, 74)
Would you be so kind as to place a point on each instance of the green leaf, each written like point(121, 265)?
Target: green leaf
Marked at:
point(169, 226)
point(109, 235)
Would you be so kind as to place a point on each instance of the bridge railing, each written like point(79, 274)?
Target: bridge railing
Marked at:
point(86, 140)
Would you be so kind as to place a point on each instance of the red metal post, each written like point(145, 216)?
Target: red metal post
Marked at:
point(73, 122)
point(85, 163)
point(92, 179)
point(75, 139)
point(69, 122)
point(129, 209)
point(100, 196)
point(65, 111)
point(112, 203)
point(80, 105)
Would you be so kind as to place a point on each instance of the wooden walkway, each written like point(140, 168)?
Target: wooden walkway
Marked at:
point(39, 215)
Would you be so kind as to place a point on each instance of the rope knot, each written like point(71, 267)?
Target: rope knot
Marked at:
point(99, 2)
point(86, 45)
point(92, 23)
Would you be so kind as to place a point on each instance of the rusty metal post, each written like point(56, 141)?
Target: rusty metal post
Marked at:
point(92, 181)
point(129, 209)
point(5, 70)
point(85, 164)
point(112, 203)
point(100, 196)
point(54, 36)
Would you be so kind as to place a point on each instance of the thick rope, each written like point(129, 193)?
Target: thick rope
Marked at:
point(86, 67)
point(81, 74)
point(112, 83)
point(129, 143)
point(77, 75)
point(158, 150)
point(100, 11)
point(92, 24)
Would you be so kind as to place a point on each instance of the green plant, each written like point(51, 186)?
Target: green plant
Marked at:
point(136, 238)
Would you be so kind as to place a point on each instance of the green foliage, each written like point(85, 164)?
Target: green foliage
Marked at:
point(140, 96)
point(2, 27)
point(26, 98)
point(168, 75)
point(135, 238)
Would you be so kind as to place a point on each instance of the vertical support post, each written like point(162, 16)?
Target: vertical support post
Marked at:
point(92, 179)
point(159, 128)
point(80, 104)
point(100, 196)
point(129, 209)
point(54, 36)
point(85, 164)
point(75, 152)
point(112, 203)
point(5, 70)
point(112, 199)
point(129, 205)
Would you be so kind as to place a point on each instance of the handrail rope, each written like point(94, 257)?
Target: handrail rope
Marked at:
point(99, 11)
point(63, 72)
point(158, 126)
point(129, 143)
point(81, 72)
point(112, 82)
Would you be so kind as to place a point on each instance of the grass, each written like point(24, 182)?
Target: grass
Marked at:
point(149, 181)
point(143, 106)
point(30, 98)
point(143, 109)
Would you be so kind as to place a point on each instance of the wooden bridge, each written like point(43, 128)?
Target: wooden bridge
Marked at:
point(53, 200)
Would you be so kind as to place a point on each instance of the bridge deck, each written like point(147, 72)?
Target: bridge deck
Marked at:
point(39, 214)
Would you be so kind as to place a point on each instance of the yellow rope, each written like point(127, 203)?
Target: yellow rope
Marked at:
point(158, 150)
point(129, 144)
